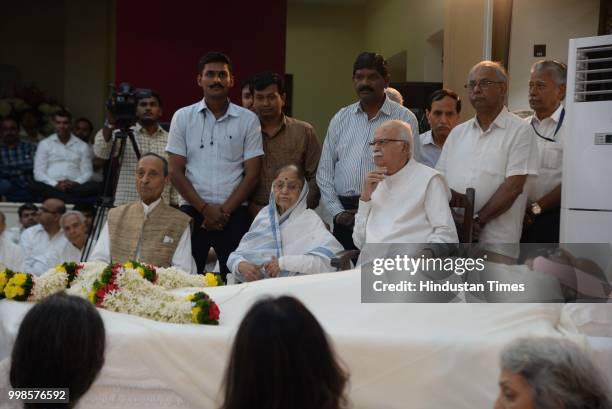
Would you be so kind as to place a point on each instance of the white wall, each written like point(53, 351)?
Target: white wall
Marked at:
point(550, 22)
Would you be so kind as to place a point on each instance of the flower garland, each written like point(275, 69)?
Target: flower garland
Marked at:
point(105, 284)
point(5, 276)
point(71, 269)
point(204, 310)
point(19, 286)
point(171, 278)
point(146, 271)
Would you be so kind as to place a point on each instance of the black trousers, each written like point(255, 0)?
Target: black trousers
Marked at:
point(344, 234)
point(87, 190)
point(224, 242)
point(545, 228)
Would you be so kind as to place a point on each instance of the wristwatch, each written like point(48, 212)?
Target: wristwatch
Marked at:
point(536, 209)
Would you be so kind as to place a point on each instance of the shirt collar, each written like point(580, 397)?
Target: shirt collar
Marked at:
point(140, 129)
point(499, 122)
point(385, 108)
point(427, 138)
point(149, 208)
point(232, 109)
point(71, 141)
point(280, 128)
point(554, 117)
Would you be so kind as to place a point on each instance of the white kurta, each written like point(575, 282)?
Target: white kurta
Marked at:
point(45, 261)
point(410, 206)
point(35, 241)
point(11, 256)
point(181, 258)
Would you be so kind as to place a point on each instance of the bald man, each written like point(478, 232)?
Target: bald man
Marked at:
point(148, 230)
point(494, 153)
point(402, 201)
point(45, 236)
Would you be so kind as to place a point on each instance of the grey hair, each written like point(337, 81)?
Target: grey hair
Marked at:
point(500, 71)
point(556, 68)
point(403, 129)
point(394, 95)
point(72, 213)
point(558, 372)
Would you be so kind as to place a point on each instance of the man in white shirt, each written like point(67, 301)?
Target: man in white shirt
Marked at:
point(149, 230)
point(63, 164)
point(11, 256)
point(73, 225)
point(402, 201)
point(546, 91)
point(28, 213)
point(493, 153)
point(443, 109)
point(46, 236)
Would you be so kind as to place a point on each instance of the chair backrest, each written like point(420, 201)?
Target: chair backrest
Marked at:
point(466, 202)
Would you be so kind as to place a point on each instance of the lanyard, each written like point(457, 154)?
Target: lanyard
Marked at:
point(561, 117)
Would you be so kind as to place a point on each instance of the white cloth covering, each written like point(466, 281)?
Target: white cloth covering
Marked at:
point(305, 245)
point(55, 161)
point(181, 258)
point(35, 241)
point(398, 355)
point(410, 206)
point(483, 159)
point(550, 154)
point(11, 256)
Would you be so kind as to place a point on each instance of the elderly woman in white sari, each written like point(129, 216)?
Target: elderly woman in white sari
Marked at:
point(285, 238)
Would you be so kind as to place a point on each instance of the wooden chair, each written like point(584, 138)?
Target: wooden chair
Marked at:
point(465, 202)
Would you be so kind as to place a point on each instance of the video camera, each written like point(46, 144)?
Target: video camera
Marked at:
point(122, 104)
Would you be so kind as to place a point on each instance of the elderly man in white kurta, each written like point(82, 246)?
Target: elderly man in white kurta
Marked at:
point(402, 201)
point(11, 256)
point(492, 153)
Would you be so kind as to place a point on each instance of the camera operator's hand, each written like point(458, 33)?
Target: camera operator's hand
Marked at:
point(214, 218)
point(109, 126)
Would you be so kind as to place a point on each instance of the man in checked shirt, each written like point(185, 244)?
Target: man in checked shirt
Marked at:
point(149, 136)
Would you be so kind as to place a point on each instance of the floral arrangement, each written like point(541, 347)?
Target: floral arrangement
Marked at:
point(204, 310)
point(18, 287)
point(132, 288)
point(146, 271)
point(5, 276)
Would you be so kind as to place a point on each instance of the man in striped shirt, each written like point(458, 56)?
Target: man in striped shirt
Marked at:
point(347, 157)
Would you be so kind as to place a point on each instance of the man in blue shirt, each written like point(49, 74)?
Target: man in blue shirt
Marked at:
point(16, 163)
point(215, 150)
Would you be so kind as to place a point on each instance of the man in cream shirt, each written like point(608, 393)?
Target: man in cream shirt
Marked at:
point(11, 256)
point(402, 201)
point(149, 231)
point(494, 153)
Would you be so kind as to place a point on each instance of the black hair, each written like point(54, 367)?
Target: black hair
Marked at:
point(214, 56)
point(441, 94)
point(26, 206)
point(63, 113)
point(10, 118)
point(272, 364)
point(247, 83)
point(60, 344)
point(265, 79)
point(150, 94)
point(83, 119)
point(164, 160)
point(372, 61)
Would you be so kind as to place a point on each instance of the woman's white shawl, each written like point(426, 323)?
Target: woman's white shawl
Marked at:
point(298, 238)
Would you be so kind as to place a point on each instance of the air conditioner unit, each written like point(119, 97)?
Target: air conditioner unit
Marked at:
point(586, 203)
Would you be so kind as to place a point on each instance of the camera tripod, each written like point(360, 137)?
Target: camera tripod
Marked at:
point(111, 177)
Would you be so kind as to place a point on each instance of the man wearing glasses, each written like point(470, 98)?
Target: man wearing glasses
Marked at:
point(45, 236)
point(402, 201)
point(493, 153)
point(346, 158)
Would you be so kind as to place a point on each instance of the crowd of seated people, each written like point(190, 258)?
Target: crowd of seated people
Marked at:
point(223, 160)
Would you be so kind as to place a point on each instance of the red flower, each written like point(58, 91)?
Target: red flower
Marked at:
point(111, 286)
point(100, 293)
point(213, 312)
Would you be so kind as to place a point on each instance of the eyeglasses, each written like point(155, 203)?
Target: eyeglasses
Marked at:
point(482, 84)
point(278, 186)
point(383, 142)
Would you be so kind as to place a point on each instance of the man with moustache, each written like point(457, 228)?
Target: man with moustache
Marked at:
point(215, 154)
point(493, 153)
point(286, 141)
point(546, 91)
point(402, 200)
point(16, 163)
point(443, 109)
point(346, 158)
